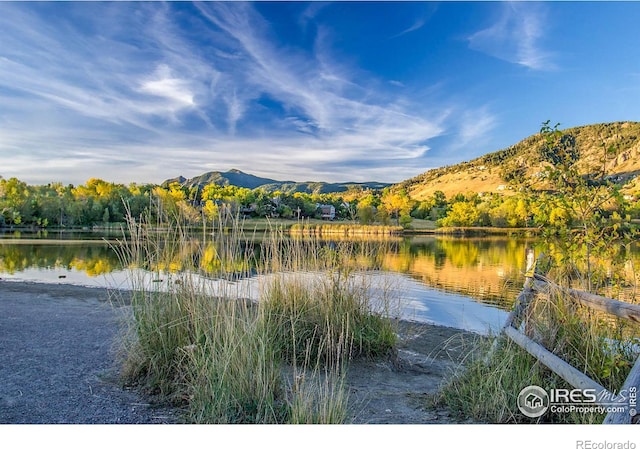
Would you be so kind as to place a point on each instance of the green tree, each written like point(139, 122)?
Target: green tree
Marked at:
point(366, 214)
point(367, 208)
point(462, 213)
point(15, 201)
point(397, 203)
point(583, 201)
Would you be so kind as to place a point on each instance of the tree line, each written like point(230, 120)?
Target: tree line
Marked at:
point(98, 202)
point(567, 200)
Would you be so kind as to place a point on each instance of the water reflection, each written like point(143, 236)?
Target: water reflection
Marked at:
point(437, 275)
point(487, 269)
point(93, 258)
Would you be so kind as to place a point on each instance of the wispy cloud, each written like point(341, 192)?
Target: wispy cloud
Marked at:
point(168, 86)
point(89, 76)
point(419, 23)
point(475, 126)
point(516, 36)
point(311, 12)
point(318, 96)
point(427, 11)
point(150, 105)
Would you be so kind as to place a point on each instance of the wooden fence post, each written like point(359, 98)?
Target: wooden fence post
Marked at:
point(536, 283)
point(631, 385)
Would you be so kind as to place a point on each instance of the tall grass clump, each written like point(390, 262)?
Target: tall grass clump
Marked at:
point(161, 321)
point(318, 393)
point(199, 340)
point(234, 373)
point(317, 295)
point(183, 322)
point(486, 389)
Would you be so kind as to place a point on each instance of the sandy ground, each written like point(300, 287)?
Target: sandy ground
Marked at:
point(58, 359)
point(59, 364)
point(395, 391)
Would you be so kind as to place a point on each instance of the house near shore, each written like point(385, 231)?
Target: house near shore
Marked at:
point(327, 211)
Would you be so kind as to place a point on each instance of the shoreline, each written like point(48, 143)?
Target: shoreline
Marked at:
point(315, 227)
point(60, 364)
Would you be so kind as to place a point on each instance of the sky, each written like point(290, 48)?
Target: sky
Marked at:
point(340, 91)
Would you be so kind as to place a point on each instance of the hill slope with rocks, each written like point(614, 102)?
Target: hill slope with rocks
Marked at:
point(612, 149)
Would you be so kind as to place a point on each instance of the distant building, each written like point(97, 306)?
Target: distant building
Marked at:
point(327, 211)
point(249, 210)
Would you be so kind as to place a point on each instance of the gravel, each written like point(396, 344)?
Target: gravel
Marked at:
point(59, 359)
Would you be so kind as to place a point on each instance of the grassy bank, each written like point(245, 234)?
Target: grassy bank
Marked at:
point(486, 230)
point(309, 226)
point(487, 388)
point(282, 359)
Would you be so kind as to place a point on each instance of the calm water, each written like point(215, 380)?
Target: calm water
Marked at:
point(467, 283)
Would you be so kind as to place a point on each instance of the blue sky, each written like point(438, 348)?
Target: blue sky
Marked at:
point(342, 91)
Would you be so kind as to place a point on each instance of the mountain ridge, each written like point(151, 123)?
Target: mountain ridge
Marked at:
point(241, 179)
point(612, 148)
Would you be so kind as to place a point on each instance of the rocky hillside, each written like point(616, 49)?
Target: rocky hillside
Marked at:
point(609, 148)
point(612, 147)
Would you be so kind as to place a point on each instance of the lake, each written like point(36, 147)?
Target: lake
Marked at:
point(467, 283)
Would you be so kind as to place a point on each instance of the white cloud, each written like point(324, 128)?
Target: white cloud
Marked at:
point(164, 84)
point(235, 111)
point(153, 105)
point(516, 36)
point(320, 95)
point(311, 12)
point(419, 23)
point(475, 126)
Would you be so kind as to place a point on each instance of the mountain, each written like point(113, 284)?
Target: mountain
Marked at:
point(500, 171)
point(231, 177)
point(249, 181)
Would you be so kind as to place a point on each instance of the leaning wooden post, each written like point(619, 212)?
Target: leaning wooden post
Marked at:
point(522, 301)
point(573, 376)
point(527, 293)
point(630, 388)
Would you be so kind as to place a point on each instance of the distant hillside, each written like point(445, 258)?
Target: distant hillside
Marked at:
point(249, 181)
point(497, 171)
point(232, 177)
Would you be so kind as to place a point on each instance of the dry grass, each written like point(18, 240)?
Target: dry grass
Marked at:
point(196, 343)
point(486, 390)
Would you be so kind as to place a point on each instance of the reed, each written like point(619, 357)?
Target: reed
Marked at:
point(346, 230)
point(197, 340)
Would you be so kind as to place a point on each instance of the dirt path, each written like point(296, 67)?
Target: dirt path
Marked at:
point(58, 364)
point(395, 391)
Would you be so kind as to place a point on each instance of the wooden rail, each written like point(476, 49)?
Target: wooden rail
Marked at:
point(536, 282)
point(620, 309)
